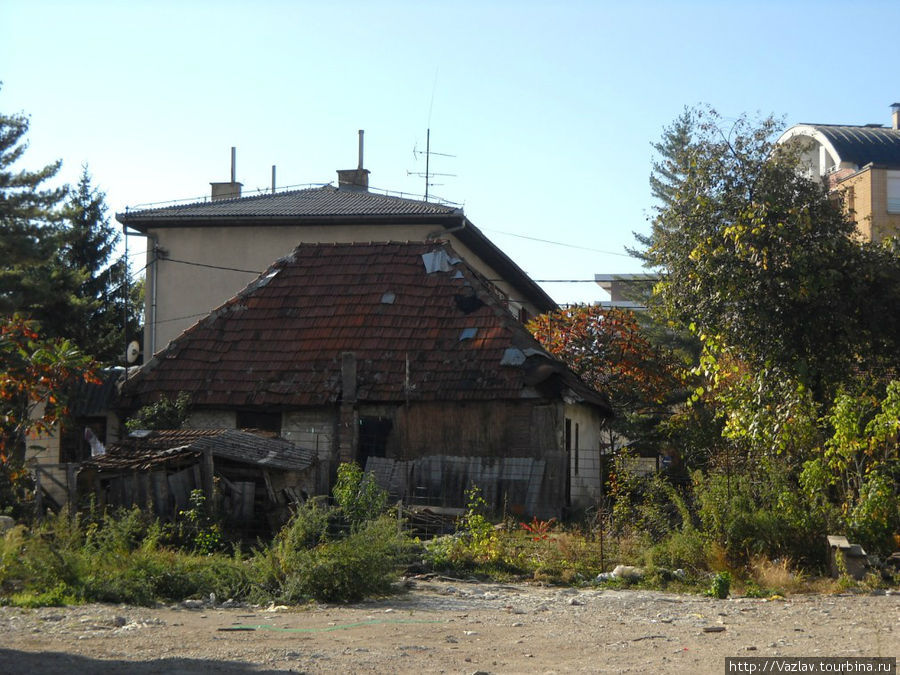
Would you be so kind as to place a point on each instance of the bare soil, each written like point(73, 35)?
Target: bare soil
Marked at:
point(441, 626)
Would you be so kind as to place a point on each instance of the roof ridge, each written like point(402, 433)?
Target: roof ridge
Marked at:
point(357, 196)
point(849, 126)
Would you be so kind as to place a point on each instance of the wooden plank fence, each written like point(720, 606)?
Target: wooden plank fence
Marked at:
point(56, 482)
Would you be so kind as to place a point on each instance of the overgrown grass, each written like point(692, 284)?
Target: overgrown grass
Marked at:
point(346, 553)
point(329, 554)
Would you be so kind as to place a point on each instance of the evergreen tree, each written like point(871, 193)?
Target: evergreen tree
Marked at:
point(30, 233)
point(671, 165)
point(96, 322)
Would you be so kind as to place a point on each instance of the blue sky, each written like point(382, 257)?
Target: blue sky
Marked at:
point(549, 108)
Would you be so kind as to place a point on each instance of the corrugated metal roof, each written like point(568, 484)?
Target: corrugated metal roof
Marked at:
point(279, 343)
point(325, 201)
point(863, 145)
point(163, 446)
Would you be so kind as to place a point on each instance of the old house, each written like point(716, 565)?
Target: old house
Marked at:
point(401, 356)
point(200, 254)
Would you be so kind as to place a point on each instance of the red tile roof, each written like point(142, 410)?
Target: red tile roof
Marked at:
point(279, 343)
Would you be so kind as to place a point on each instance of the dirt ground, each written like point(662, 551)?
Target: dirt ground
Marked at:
point(445, 626)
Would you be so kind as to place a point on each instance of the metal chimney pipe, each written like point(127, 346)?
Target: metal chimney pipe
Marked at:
point(273, 179)
point(233, 160)
point(361, 132)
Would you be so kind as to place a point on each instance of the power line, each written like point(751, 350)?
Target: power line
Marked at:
point(560, 243)
point(182, 318)
point(246, 271)
point(214, 267)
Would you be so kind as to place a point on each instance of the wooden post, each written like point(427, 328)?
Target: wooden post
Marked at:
point(206, 472)
point(71, 468)
point(38, 494)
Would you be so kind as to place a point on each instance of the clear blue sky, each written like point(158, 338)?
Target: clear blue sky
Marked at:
point(549, 108)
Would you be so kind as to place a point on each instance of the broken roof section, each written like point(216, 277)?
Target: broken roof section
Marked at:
point(445, 334)
point(144, 450)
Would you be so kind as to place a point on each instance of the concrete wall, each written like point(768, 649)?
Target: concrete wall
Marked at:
point(42, 448)
point(314, 429)
point(584, 457)
point(211, 419)
point(185, 292)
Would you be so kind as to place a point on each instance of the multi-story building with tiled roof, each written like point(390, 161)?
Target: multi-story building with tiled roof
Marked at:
point(200, 254)
point(863, 163)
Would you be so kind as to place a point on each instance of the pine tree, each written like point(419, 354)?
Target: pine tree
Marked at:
point(672, 163)
point(30, 281)
point(96, 320)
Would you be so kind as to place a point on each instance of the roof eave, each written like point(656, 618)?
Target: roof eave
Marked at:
point(144, 223)
point(475, 239)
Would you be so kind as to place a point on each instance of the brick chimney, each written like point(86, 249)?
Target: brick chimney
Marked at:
point(895, 116)
point(230, 190)
point(358, 178)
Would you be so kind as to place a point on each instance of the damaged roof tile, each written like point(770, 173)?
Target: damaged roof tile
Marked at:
point(376, 300)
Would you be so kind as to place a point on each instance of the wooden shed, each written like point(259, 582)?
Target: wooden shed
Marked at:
point(251, 477)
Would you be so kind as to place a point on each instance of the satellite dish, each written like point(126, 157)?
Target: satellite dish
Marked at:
point(133, 351)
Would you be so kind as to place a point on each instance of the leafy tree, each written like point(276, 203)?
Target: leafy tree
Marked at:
point(162, 414)
point(759, 260)
point(610, 351)
point(358, 495)
point(97, 321)
point(35, 373)
point(760, 263)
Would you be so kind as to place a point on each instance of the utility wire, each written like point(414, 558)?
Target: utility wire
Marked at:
point(559, 243)
point(237, 269)
point(182, 318)
point(214, 267)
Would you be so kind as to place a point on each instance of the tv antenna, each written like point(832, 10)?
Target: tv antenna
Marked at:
point(428, 175)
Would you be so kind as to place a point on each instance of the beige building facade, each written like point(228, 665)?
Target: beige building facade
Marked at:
point(862, 163)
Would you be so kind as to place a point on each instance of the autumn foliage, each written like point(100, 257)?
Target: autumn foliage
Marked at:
point(34, 373)
point(609, 350)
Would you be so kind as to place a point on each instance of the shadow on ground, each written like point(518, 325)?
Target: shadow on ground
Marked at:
point(14, 662)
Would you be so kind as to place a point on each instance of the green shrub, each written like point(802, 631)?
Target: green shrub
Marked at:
point(720, 586)
point(58, 596)
point(196, 529)
point(761, 514)
point(364, 564)
point(358, 495)
point(686, 549)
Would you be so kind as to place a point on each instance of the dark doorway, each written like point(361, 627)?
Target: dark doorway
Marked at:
point(568, 462)
point(373, 437)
